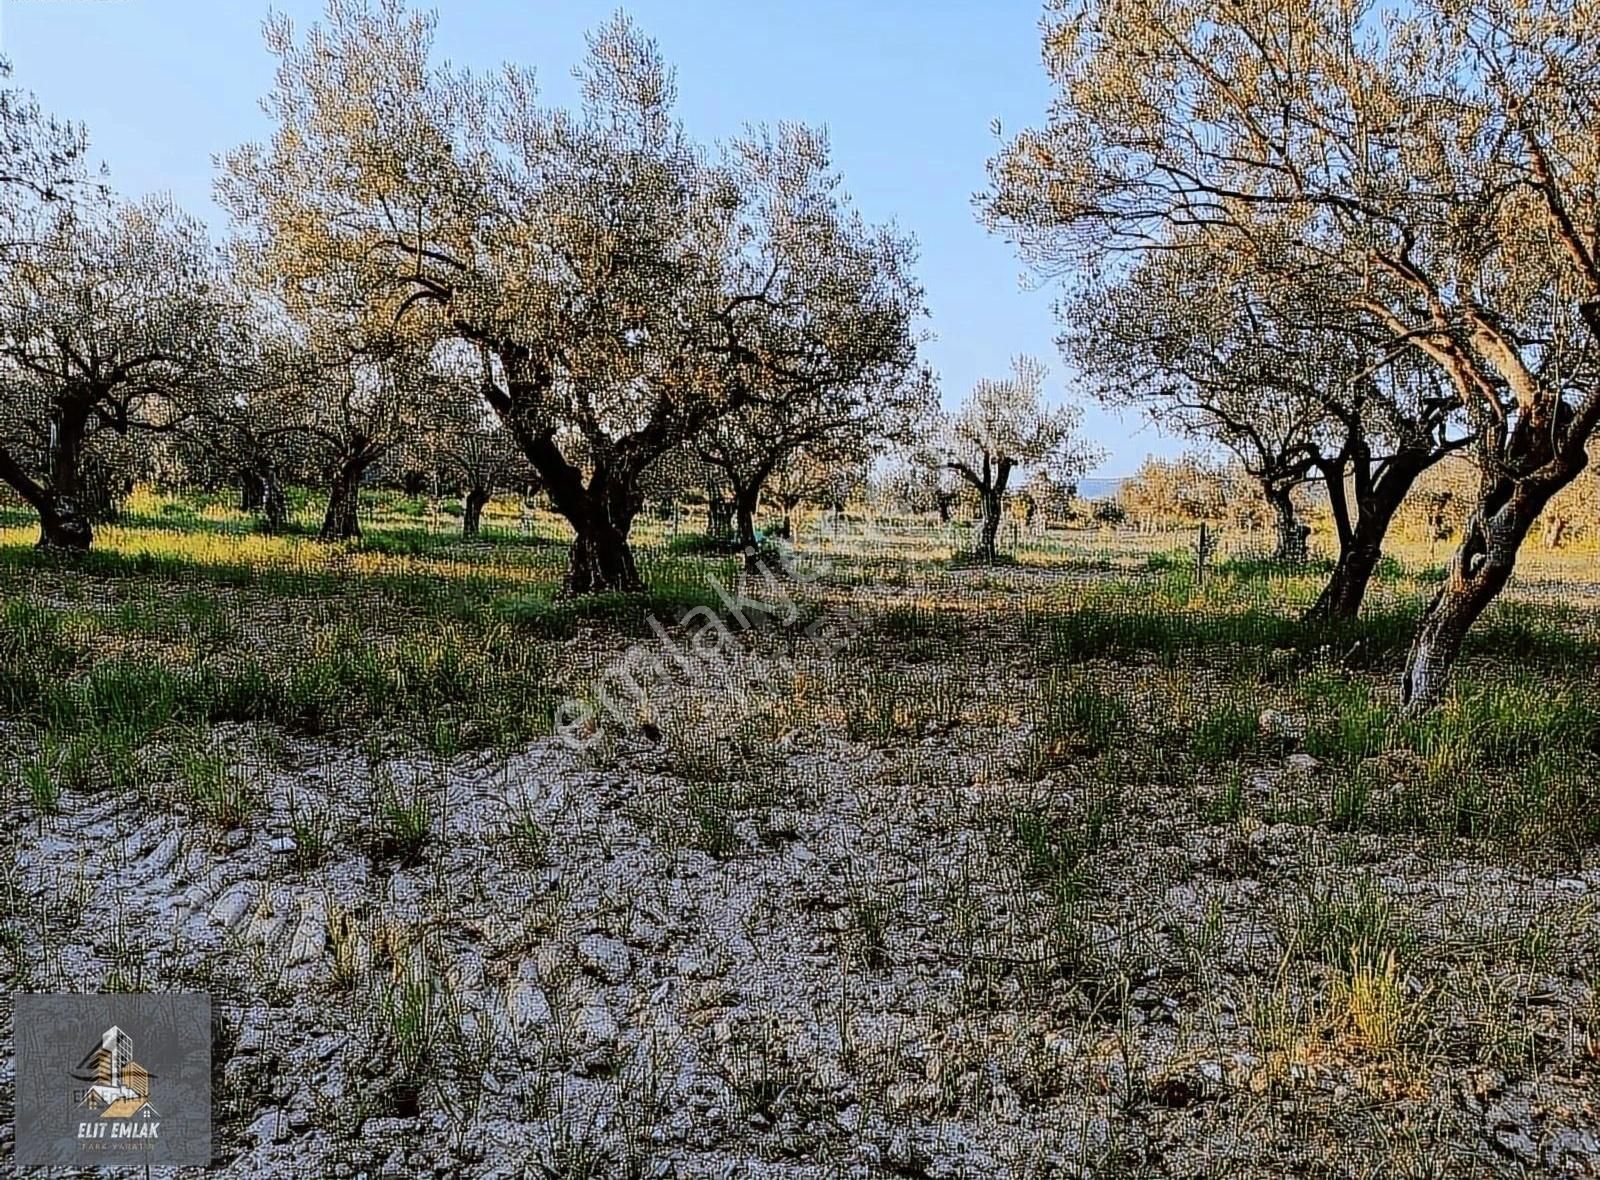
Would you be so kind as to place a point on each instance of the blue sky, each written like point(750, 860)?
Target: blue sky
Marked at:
point(907, 88)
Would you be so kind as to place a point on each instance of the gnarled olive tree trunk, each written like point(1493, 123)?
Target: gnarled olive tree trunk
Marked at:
point(992, 499)
point(1483, 562)
point(472, 511)
point(274, 503)
point(601, 513)
point(1291, 547)
point(62, 523)
point(260, 490)
point(342, 521)
point(989, 479)
point(747, 487)
point(1359, 554)
point(601, 559)
point(64, 517)
point(745, 502)
point(1544, 452)
point(252, 492)
point(1478, 571)
point(789, 504)
point(1361, 540)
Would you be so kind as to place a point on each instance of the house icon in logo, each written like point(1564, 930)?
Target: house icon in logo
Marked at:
point(120, 1086)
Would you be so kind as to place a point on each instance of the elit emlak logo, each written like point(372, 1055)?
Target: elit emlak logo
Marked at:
point(118, 1091)
point(111, 1080)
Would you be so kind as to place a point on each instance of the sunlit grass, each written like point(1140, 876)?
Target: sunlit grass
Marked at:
point(186, 615)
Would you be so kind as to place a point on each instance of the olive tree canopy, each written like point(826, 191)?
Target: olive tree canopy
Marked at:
point(110, 322)
point(630, 285)
point(1431, 166)
point(1006, 425)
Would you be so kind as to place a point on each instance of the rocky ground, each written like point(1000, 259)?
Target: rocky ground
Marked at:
point(767, 929)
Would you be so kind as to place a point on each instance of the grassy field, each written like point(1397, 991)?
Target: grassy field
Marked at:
point(1078, 866)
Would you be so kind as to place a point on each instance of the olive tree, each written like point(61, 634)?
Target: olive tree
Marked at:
point(109, 321)
point(43, 164)
point(799, 437)
point(356, 385)
point(246, 430)
point(1223, 354)
point(467, 445)
point(920, 481)
point(1207, 357)
point(1005, 425)
point(364, 412)
point(1431, 167)
point(1050, 497)
point(844, 376)
point(630, 285)
point(1191, 488)
point(824, 473)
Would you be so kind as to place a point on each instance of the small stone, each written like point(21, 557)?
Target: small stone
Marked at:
point(310, 936)
point(250, 1038)
point(163, 855)
point(1517, 1141)
point(231, 906)
point(236, 839)
point(595, 1033)
point(526, 1003)
point(283, 844)
point(1575, 1149)
point(388, 1128)
point(1511, 1123)
point(695, 964)
point(1302, 763)
point(269, 1128)
point(605, 957)
point(1289, 726)
point(404, 898)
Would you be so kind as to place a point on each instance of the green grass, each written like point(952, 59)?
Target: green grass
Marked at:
point(184, 619)
point(1346, 721)
point(43, 775)
point(1227, 805)
point(1224, 732)
point(1126, 621)
point(310, 682)
point(405, 818)
point(1073, 719)
point(1328, 919)
point(311, 828)
point(1504, 724)
point(411, 1024)
point(913, 631)
point(216, 789)
point(1055, 848)
point(1505, 758)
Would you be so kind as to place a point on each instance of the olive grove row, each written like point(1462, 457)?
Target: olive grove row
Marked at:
point(1343, 241)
